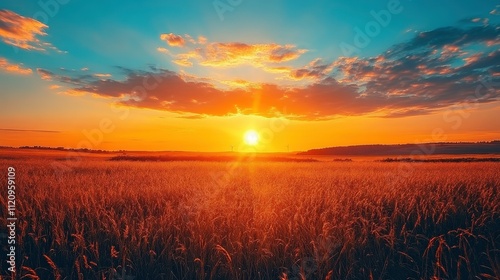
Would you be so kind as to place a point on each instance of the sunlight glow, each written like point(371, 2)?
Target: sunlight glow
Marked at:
point(251, 138)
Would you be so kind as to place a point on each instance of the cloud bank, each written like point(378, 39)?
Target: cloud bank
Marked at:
point(433, 70)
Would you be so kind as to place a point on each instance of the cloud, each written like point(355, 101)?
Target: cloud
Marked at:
point(202, 40)
point(174, 94)
point(475, 20)
point(190, 39)
point(185, 59)
point(173, 40)
point(167, 90)
point(440, 37)
point(73, 78)
point(234, 54)
point(496, 11)
point(22, 32)
point(44, 74)
point(9, 67)
point(102, 75)
point(163, 50)
point(315, 70)
point(432, 71)
point(29, 130)
point(231, 54)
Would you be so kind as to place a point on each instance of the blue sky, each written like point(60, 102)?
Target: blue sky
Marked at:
point(102, 34)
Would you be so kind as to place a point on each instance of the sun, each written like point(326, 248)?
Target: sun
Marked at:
point(251, 138)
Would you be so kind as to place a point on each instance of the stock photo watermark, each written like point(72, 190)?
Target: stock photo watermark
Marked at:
point(11, 219)
point(304, 269)
point(363, 36)
point(93, 138)
point(454, 116)
point(223, 6)
point(47, 10)
point(267, 134)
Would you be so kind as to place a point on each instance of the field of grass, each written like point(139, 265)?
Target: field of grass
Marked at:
point(256, 220)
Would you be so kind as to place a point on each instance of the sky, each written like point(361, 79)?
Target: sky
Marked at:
point(197, 75)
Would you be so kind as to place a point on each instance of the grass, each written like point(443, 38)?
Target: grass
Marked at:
point(263, 220)
point(251, 157)
point(468, 159)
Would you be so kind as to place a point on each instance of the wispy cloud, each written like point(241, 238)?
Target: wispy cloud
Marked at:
point(173, 40)
point(44, 74)
point(163, 50)
point(453, 36)
point(102, 75)
point(496, 11)
point(13, 68)
point(29, 130)
point(220, 54)
point(23, 32)
point(315, 70)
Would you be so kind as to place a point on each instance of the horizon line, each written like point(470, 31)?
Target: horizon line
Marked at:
point(63, 148)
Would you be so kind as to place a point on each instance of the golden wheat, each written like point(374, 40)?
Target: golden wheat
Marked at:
point(172, 220)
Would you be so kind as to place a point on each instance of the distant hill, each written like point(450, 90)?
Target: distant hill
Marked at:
point(492, 147)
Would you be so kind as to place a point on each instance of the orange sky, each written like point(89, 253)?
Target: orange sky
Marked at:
point(146, 129)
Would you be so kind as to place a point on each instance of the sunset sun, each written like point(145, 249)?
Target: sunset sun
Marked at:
point(251, 137)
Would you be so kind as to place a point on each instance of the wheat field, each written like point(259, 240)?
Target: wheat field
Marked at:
point(262, 220)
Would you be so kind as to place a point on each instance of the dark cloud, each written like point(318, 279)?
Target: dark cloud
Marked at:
point(450, 35)
point(314, 70)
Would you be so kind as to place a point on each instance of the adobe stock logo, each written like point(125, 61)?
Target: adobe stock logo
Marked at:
point(48, 9)
point(363, 37)
point(223, 6)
